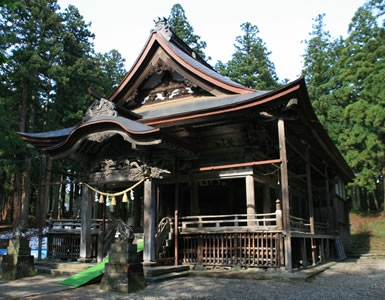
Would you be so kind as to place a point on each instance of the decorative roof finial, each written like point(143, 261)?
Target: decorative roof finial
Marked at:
point(162, 27)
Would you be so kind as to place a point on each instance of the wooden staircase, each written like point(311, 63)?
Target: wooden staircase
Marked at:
point(165, 241)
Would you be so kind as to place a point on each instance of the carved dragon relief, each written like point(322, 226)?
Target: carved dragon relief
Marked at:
point(101, 107)
point(108, 170)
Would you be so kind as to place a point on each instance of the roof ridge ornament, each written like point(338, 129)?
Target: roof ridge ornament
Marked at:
point(163, 28)
point(101, 108)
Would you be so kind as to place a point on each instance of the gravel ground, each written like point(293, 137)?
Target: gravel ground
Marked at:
point(352, 279)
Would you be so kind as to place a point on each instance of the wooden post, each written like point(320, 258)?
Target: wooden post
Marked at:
point(176, 235)
point(278, 213)
point(149, 221)
point(309, 191)
point(85, 232)
point(321, 251)
point(250, 200)
point(285, 194)
point(304, 253)
point(327, 195)
point(313, 251)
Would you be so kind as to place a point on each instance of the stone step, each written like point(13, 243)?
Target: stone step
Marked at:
point(64, 266)
point(54, 272)
point(154, 271)
point(167, 276)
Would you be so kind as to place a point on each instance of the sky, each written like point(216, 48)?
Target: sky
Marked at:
point(283, 24)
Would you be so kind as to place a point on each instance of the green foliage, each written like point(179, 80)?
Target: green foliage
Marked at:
point(182, 28)
point(346, 85)
point(47, 65)
point(250, 64)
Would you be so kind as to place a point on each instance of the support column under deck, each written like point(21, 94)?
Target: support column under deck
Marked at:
point(149, 221)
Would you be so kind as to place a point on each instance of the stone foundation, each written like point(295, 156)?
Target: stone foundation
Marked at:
point(18, 262)
point(124, 272)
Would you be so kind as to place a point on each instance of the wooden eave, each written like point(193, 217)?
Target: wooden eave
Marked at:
point(251, 103)
point(155, 42)
point(91, 127)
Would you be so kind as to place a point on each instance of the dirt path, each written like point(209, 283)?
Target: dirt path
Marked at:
point(352, 279)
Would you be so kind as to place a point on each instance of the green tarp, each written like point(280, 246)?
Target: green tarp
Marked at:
point(91, 273)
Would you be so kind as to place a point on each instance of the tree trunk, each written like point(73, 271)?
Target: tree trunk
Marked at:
point(16, 200)
point(376, 201)
point(383, 189)
point(25, 183)
point(26, 191)
point(55, 200)
point(23, 106)
point(62, 198)
point(368, 200)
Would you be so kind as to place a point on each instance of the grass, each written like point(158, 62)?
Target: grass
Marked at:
point(368, 232)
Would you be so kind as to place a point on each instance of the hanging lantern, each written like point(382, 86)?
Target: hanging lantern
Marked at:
point(113, 201)
point(125, 198)
point(101, 199)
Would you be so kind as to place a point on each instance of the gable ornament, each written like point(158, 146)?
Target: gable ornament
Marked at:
point(101, 108)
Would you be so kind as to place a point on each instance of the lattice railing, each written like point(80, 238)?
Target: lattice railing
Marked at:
point(227, 249)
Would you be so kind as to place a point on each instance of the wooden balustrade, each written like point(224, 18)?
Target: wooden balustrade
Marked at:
point(303, 225)
point(222, 223)
point(72, 225)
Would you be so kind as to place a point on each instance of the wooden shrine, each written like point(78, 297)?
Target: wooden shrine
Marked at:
point(231, 175)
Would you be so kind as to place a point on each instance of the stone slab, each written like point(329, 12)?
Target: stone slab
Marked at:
point(31, 286)
point(117, 258)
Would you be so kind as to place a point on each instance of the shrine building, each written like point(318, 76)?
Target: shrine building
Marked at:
point(227, 175)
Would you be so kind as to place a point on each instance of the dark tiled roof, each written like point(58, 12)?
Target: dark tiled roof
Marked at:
point(201, 67)
point(130, 125)
point(195, 105)
point(49, 134)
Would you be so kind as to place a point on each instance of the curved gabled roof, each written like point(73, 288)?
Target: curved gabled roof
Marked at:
point(54, 140)
point(158, 39)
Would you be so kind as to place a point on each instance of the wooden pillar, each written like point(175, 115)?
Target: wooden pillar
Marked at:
point(285, 194)
point(309, 191)
point(304, 252)
point(176, 221)
point(149, 221)
point(314, 251)
point(85, 231)
point(327, 195)
point(250, 199)
point(137, 207)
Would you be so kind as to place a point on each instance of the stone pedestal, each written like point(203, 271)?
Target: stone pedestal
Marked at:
point(124, 272)
point(18, 262)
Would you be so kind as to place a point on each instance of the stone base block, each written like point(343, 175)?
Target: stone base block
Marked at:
point(123, 278)
point(17, 266)
point(123, 247)
point(118, 258)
